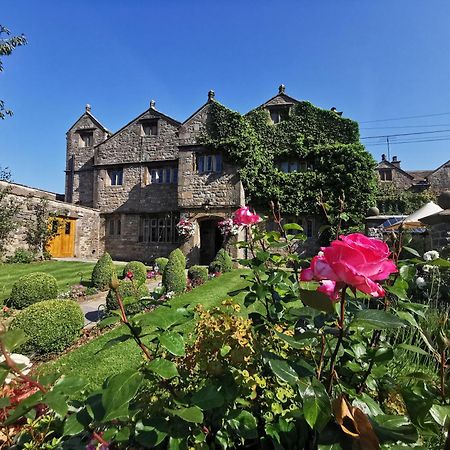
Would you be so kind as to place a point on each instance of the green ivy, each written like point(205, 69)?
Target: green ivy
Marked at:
point(326, 141)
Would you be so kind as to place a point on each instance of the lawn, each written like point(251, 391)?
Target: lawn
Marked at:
point(66, 273)
point(95, 364)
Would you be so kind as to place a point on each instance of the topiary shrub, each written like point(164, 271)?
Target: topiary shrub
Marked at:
point(103, 272)
point(50, 325)
point(174, 275)
point(138, 270)
point(198, 275)
point(126, 289)
point(31, 288)
point(222, 262)
point(161, 263)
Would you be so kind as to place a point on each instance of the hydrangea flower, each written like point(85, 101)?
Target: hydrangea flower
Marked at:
point(431, 255)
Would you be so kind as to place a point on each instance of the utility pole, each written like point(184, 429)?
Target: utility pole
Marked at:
point(388, 149)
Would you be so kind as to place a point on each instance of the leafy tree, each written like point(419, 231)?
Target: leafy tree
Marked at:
point(9, 208)
point(7, 45)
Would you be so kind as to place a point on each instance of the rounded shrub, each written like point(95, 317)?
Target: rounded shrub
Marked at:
point(50, 325)
point(138, 270)
point(126, 289)
point(103, 272)
point(161, 263)
point(31, 288)
point(174, 275)
point(198, 274)
point(222, 262)
point(22, 256)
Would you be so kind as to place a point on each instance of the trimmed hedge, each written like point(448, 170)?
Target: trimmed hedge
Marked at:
point(174, 276)
point(222, 262)
point(161, 263)
point(103, 272)
point(138, 270)
point(50, 325)
point(31, 288)
point(128, 289)
point(198, 274)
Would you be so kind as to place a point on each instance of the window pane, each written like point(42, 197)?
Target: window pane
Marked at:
point(293, 166)
point(201, 163)
point(160, 175)
point(119, 227)
point(219, 163)
point(167, 176)
point(175, 176)
point(285, 167)
point(154, 173)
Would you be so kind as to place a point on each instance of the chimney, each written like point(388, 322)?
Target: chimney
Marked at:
point(383, 157)
point(395, 162)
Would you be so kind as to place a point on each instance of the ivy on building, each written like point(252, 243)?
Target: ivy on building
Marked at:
point(334, 162)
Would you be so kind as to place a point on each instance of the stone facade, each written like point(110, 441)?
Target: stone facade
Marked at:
point(89, 229)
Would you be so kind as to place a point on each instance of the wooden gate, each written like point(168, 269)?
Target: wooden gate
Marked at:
point(63, 244)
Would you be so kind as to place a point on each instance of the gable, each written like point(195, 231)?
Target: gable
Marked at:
point(86, 121)
point(194, 125)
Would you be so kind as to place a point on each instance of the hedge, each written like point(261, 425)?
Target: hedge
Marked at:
point(161, 263)
point(31, 288)
point(50, 325)
point(198, 274)
point(222, 262)
point(103, 272)
point(138, 270)
point(126, 289)
point(174, 276)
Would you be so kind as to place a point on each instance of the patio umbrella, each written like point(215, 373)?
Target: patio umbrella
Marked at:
point(413, 220)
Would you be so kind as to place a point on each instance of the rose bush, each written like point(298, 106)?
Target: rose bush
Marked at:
point(354, 260)
point(244, 217)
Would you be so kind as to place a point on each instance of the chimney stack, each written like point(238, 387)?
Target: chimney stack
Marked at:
point(395, 162)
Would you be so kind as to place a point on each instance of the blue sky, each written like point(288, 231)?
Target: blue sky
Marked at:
point(374, 60)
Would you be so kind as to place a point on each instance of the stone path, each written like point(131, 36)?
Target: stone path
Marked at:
point(93, 307)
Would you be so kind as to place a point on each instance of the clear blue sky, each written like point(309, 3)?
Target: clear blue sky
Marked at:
point(372, 59)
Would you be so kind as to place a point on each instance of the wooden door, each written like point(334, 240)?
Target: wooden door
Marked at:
point(63, 244)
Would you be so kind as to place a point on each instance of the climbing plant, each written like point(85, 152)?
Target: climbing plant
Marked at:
point(334, 163)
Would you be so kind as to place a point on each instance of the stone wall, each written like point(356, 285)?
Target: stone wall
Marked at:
point(440, 236)
point(89, 229)
point(440, 179)
point(400, 179)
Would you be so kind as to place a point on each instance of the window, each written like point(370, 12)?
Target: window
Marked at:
point(209, 163)
point(167, 175)
point(67, 228)
point(277, 115)
point(114, 226)
point(116, 176)
point(309, 228)
point(158, 228)
point(150, 128)
point(385, 174)
point(86, 139)
point(294, 166)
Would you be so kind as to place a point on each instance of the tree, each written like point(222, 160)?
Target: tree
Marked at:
point(39, 232)
point(7, 45)
point(9, 208)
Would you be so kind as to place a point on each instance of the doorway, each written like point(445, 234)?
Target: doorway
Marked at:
point(63, 244)
point(210, 240)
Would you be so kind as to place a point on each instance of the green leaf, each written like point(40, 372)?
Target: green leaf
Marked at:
point(108, 321)
point(173, 342)
point(120, 389)
point(292, 226)
point(13, 339)
point(399, 289)
point(57, 402)
point(412, 251)
point(76, 423)
point(225, 350)
point(209, 397)
point(163, 317)
point(297, 342)
point(4, 402)
point(192, 414)
point(316, 300)
point(374, 319)
point(283, 370)
point(440, 263)
point(150, 435)
point(412, 348)
point(441, 414)
point(408, 272)
point(316, 405)
point(164, 368)
point(394, 428)
point(245, 424)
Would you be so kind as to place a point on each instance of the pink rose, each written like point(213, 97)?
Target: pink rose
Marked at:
point(243, 216)
point(354, 260)
point(129, 275)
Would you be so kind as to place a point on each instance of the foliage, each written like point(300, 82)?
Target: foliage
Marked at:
point(22, 256)
point(7, 45)
point(38, 233)
point(32, 288)
point(287, 369)
point(198, 274)
point(174, 275)
point(138, 270)
point(393, 200)
point(222, 262)
point(9, 208)
point(103, 272)
point(50, 325)
point(339, 166)
point(128, 289)
point(161, 263)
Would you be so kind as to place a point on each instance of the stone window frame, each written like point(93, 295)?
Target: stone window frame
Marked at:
point(167, 175)
point(114, 226)
point(279, 113)
point(291, 165)
point(153, 124)
point(209, 163)
point(385, 174)
point(158, 228)
point(115, 176)
point(85, 138)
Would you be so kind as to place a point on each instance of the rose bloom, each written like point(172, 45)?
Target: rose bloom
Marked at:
point(354, 260)
point(129, 275)
point(243, 216)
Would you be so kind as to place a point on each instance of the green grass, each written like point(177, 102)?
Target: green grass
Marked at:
point(94, 363)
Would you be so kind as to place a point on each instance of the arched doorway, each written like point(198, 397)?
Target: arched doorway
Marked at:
point(210, 240)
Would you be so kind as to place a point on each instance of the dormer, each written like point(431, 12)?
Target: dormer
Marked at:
point(279, 106)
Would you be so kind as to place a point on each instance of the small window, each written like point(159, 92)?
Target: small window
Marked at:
point(150, 128)
point(209, 163)
point(160, 228)
point(114, 226)
point(167, 175)
point(278, 114)
point(67, 228)
point(294, 166)
point(55, 226)
point(86, 139)
point(385, 174)
point(309, 229)
point(116, 177)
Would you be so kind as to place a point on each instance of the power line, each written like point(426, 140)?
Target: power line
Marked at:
point(407, 126)
point(405, 134)
point(406, 117)
point(410, 141)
